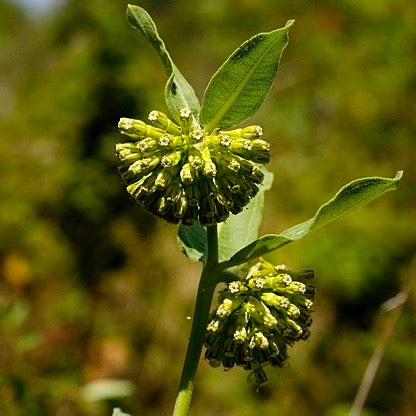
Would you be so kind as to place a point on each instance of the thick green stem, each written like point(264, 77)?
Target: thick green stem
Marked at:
point(206, 289)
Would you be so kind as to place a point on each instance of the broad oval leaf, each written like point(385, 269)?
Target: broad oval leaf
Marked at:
point(239, 230)
point(351, 196)
point(178, 92)
point(241, 84)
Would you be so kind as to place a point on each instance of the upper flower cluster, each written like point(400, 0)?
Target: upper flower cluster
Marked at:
point(184, 173)
point(258, 318)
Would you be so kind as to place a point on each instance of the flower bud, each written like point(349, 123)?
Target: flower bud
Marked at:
point(138, 129)
point(259, 318)
point(217, 173)
point(161, 120)
point(225, 308)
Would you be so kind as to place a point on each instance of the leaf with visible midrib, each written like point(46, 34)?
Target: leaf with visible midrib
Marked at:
point(241, 84)
point(351, 196)
point(178, 93)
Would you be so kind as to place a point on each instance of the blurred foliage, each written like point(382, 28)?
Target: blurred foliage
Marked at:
point(93, 290)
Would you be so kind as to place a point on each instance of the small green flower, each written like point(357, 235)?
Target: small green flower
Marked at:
point(258, 318)
point(184, 173)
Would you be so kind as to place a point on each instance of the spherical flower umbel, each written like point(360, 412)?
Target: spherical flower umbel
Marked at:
point(258, 318)
point(184, 173)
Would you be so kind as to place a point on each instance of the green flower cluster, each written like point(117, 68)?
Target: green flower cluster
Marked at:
point(184, 173)
point(258, 318)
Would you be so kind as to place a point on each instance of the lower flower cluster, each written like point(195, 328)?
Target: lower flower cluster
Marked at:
point(258, 318)
point(181, 172)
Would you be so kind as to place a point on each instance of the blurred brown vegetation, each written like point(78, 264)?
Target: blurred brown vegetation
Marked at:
point(92, 289)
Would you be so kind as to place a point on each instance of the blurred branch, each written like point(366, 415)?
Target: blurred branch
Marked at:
point(395, 306)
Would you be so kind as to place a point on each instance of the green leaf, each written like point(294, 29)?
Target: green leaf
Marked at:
point(192, 241)
point(141, 20)
point(178, 92)
point(241, 84)
point(351, 196)
point(241, 229)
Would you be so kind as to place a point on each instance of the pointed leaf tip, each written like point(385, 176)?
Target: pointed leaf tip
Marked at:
point(241, 84)
point(351, 196)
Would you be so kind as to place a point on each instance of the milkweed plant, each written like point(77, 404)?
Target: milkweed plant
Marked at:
point(200, 167)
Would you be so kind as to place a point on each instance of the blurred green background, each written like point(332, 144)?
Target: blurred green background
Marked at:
point(94, 295)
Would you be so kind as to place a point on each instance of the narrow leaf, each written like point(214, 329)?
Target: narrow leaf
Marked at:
point(192, 241)
point(241, 84)
point(241, 229)
point(141, 20)
point(178, 92)
point(351, 196)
